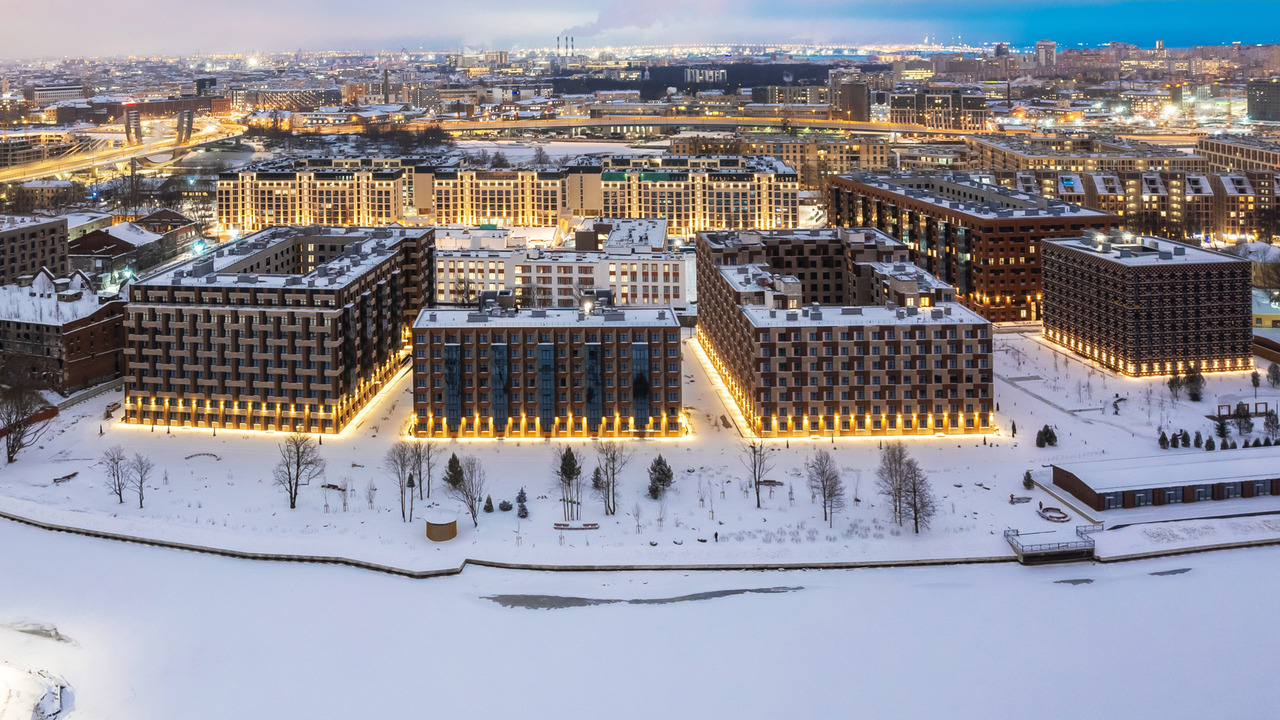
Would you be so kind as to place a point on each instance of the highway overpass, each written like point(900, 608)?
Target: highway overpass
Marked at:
point(65, 165)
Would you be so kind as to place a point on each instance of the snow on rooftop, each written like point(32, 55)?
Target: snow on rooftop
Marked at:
point(625, 316)
point(10, 222)
point(132, 234)
point(833, 316)
point(40, 304)
point(1174, 469)
point(1138, 251)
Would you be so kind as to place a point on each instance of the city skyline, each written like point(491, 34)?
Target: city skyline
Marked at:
point(594, 24)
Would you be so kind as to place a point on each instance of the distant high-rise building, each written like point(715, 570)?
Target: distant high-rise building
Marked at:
point(854, 100)
point(1264, 100)
point(204, 86)
point(1046, 53)
point(1002, 50)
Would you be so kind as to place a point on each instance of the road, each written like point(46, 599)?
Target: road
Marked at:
point(68, 164)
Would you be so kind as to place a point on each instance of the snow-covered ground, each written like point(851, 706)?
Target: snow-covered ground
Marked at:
point(217, 491)
point(151, 634)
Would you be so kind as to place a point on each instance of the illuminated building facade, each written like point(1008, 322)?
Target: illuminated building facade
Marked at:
point(1147, 306)
point(1223, 206)
point(1234, 153)
point(251, 200)
point(691, 193)
point(1073, 152)
point(814, 156)
point(800, 356)
point(287, 329)
point(981, 238)
point(600, 371)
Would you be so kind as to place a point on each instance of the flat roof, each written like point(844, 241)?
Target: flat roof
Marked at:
point(861, 316)
point(1176, 469)
point(1141, 250)
point(908, 272)
point(624, 316)
point(13, 222)
point(364, 249)
point(972, 197)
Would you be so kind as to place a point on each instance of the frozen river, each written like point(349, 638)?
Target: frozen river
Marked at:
point(150, 633)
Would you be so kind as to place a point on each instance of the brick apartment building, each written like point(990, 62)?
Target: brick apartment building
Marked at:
point(60, 331)
point(799, 356)
point(1147, 306)
point(1223, 206)
point(289, 328)
point(30, 243)
point(980, 238)
point(554, 372)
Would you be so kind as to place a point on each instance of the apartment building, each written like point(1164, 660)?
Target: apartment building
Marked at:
point(547, 372)
point(980, 238)
point(1074, 153)
point(1147, 306)
point(285, 329)
point(61, 331)
point(690, 193)
point(28, 244)
point(814, 156)
point(798, 363)
point(628, 257)
point(250, 200)
point(940, 108)
point(1221, 206)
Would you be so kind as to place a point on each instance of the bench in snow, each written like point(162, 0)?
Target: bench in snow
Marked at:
point(576, 526)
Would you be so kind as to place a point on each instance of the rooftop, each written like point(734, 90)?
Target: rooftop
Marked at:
point(1140, 250)
point(362, 250)
point(967, 194)
point(1250, 141)
point(1063, 145)
point(50, 301)
point(1175, 470)
point(830, 316)
point(13, 222)
point(628, 233)
point(131, 234)
point(627, 316)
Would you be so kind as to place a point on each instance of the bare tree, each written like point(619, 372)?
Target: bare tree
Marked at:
point(613, 457)
point(299, 464)
point(471, 489)
point(20, 404)
point(567, 467)
point(755, 458)
point(891, 477)
point(140, 469)
point(426, 456)
point(918, 497)
point(825, 484)
point(370, 492)
point(399, 467)
point(116, 464)
point(635, 513)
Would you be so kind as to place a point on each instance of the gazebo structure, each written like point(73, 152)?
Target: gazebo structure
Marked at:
point(442, 524)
